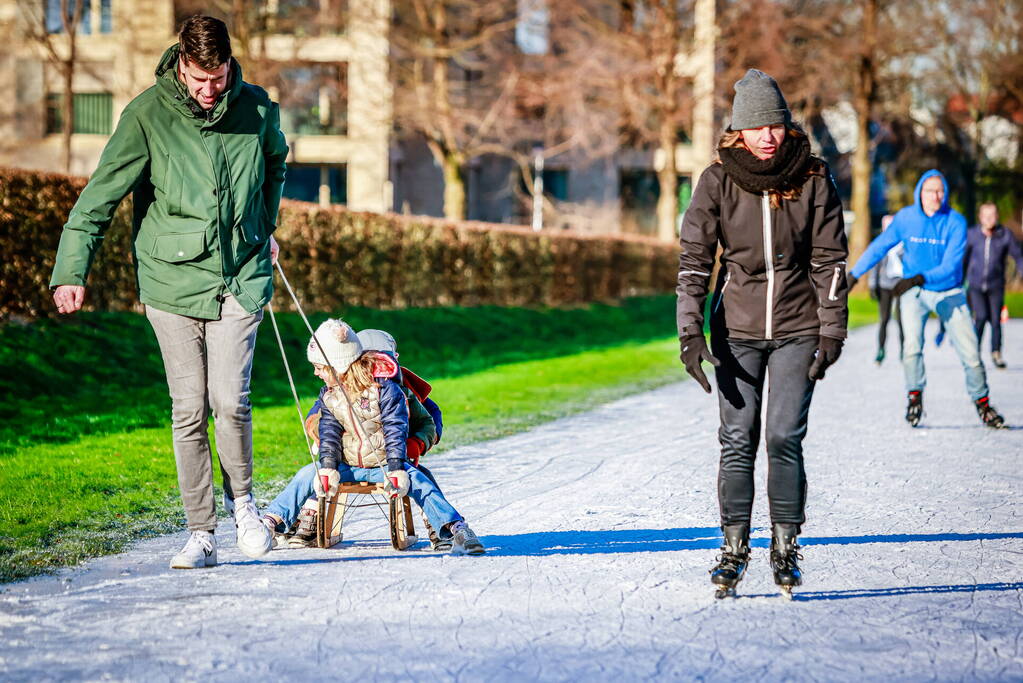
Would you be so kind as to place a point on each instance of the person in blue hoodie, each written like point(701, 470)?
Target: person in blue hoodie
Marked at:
point(988, 244)
point(933, 236)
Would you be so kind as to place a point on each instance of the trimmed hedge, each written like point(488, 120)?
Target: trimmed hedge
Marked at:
point(334, 257)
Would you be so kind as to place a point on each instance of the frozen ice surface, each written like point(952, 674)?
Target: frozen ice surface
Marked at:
point(600, 529)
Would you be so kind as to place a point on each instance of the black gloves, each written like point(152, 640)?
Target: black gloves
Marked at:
point(906, 284)
point(852, 280)
point(694, 351)
point(828, 351)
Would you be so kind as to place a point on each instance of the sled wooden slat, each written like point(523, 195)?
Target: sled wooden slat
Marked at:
point(332, 511)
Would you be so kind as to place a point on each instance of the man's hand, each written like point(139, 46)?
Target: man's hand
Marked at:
point(906, 284)
point(694, 351)
point(828, 351)
point(275, 250)
point(398, 483)
point(69, 298)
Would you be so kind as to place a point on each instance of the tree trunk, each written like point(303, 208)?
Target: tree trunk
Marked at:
point(863, 100)
point(667, 181)
point(69, 113)
point(454, 188)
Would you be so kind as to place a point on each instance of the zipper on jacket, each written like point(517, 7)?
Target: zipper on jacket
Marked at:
point(765, 207)
point(721, 294)
point(832, 293)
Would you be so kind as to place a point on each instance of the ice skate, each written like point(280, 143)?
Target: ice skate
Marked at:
point(915, 408)
point(732, 561)
point(200, 551)
point(988, 415)
point(996, 358)
point(784, 553)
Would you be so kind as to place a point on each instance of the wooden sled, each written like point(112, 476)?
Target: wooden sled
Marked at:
point(333, 509)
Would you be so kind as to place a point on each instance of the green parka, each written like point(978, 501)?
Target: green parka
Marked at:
point(207, 186)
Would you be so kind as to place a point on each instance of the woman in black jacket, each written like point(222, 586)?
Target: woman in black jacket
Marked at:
point(779, 306)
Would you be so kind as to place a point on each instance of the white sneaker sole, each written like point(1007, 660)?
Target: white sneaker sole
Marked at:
point(185, 563)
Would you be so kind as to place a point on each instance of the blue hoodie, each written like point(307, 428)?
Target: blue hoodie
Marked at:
point(933, 245)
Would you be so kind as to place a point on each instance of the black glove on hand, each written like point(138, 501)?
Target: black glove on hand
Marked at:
point(906, 284)
point(852, 280)
point(694, 351)
point(828, 351)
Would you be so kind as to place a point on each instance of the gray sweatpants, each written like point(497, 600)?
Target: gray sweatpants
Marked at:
point(208, 364)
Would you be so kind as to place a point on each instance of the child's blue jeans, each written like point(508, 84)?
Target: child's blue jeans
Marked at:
point(422, 490)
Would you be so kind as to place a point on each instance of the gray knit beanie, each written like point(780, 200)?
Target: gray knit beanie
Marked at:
point(758, 102)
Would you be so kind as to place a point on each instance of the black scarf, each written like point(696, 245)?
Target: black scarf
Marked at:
point(784, 171)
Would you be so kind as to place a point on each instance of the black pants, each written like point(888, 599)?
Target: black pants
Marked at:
point(885, 301)
point(740, 380)
point(986, 307)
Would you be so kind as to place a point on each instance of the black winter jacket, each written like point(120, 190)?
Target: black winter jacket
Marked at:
point(782, 270)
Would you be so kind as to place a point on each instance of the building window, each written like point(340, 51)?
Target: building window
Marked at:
point(94, 113)
point(55, 22)
point(314, 99)
point(320, 183)
point(306, 17)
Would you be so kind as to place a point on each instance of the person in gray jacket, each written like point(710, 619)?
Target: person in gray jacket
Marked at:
point(779, 308)
point(883, 277)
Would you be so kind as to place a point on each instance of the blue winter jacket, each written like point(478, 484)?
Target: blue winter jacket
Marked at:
point(393, 419)
point(933, 245)
point(985, 257)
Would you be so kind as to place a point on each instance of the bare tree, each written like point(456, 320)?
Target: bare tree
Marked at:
point(60, 45)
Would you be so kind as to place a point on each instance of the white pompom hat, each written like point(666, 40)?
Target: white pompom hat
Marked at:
point(377, 340)
point(338, 341)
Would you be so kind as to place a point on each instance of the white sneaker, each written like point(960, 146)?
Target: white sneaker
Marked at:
point(464, 540)
point(254, 539)
point(199, 551)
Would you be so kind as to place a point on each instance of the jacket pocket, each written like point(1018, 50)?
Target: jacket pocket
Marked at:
point(179, 248)
point(254, 227)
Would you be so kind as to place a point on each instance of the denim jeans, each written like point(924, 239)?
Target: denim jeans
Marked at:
point(208, 365)
point(740, 380)
point(950, 306)
point(422, 490)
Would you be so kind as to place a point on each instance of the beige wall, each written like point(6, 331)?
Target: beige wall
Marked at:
point(122, 63)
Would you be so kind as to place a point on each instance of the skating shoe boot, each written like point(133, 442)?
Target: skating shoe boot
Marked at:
point(988, 415)
point(879, 358)
point(915, 408)
point(732, 561)
point(199, 551)
point(254, 539)
point(464, 540)
point(996, 358)
point(436, 542)
point(784, 553)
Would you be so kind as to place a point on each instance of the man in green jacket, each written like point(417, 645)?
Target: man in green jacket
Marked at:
point(203, 153)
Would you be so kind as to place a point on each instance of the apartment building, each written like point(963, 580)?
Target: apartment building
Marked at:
point(326, 62)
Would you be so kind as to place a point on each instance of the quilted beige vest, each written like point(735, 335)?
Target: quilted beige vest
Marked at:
point(363, 438)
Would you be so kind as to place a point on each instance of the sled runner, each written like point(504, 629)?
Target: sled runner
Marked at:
point(334, 507)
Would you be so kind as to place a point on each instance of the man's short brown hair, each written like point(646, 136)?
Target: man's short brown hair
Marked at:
point(204, 41)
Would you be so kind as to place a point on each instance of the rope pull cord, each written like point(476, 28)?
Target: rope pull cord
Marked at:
point(333, 371)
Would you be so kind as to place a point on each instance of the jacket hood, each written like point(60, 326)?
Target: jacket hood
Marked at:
point(944, 208)
point(175, 94)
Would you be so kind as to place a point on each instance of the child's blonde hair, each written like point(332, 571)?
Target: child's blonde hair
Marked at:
point(359, 375)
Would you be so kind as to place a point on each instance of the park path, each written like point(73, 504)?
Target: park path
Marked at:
point(600, 530)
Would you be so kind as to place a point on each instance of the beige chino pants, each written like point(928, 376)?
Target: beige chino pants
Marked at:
point(208, 365)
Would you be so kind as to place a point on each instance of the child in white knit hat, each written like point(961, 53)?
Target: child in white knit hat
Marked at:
point(363, 434)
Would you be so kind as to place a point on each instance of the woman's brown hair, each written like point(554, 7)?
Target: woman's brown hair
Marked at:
point(733, 138)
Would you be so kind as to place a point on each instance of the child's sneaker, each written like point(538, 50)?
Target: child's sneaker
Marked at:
point(199, 551)
point(274, 524)
point(254, 539)
point(303, 533)
point(464, 540)
point(437, 543)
